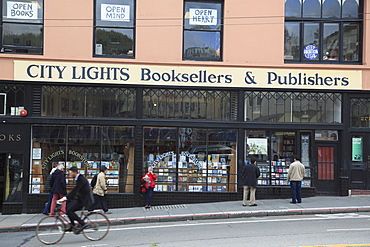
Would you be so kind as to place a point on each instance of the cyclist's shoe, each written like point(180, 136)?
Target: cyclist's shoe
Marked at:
point(81, 228)
point(108, 212)
point(69, 229)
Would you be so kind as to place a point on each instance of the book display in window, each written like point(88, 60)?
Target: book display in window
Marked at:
point(193, 173)
point(93, 168)
point(264, 178)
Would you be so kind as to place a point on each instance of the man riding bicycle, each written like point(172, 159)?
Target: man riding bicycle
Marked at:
point(84, 199)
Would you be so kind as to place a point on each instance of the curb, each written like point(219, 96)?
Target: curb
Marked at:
point(208, 216)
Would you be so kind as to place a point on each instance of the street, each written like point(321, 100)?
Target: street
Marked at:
point(351, 229)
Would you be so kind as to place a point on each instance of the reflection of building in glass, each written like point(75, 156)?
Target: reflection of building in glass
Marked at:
point(200, 52)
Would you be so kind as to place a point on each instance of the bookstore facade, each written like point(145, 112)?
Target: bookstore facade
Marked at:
point(196, 126)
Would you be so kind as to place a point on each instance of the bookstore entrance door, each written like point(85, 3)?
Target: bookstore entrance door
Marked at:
point(360, 161)
point(326, 168)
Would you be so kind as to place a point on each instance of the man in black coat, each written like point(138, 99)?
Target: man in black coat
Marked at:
point(82, 191)
point(250, 174)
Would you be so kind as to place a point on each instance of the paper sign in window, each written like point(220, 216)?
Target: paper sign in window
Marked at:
point(21, 10)
point(110, 12)
point(203, 17)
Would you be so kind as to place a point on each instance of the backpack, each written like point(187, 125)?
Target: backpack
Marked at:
point(93, 181)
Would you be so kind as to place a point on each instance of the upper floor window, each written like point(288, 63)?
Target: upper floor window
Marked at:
point(22, 26)
point(114, 28)
point(202, 31)
point(323, 31)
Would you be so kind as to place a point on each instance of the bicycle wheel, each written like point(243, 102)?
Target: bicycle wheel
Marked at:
point(50, 230)
point(98, 226)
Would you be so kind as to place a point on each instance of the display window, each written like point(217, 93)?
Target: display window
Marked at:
point(86, 147)
point(273, 151)
point(192, 159)
point(22, 26)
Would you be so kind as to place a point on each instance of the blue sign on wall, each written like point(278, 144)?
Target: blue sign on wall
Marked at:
point(310, 52)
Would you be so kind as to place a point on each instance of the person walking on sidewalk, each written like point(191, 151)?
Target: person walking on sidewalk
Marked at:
point(249, 177)
point(58, 188)
point(295, 177)
point(48, 189)
point(99, 191)
point(149, 179)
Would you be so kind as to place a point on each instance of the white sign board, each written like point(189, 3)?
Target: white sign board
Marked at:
point(22, 10)
point(257, 145)
point(110, 12)
point(36, 153)
point(203, 16)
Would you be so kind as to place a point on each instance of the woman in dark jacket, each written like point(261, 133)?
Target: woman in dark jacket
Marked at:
point(48, 189)
point(58, 188)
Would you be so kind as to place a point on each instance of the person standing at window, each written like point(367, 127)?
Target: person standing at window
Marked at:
point(99, 191)
point(149, 179)
point(58, 188)
point(249, 177)
point(295, 177)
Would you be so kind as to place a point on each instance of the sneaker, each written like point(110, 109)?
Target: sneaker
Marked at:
point(108, 212)
point(253, 205)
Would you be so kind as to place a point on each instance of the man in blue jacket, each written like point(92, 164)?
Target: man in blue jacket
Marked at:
point(249, 177)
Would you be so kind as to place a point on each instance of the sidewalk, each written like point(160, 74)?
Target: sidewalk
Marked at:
point(216, 210)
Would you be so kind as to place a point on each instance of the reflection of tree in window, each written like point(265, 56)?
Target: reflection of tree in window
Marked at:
point(114, 43)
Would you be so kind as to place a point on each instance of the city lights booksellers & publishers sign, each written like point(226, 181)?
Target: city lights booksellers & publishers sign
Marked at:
point(223, 77)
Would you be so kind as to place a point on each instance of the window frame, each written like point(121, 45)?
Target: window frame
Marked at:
point(133, 28)
point(3, 48)
point(220, 31)
point(322, 21)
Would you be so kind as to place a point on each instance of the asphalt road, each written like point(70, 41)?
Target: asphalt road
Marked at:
point(351, 229)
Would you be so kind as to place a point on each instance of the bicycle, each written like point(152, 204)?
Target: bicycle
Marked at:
point(51, 229)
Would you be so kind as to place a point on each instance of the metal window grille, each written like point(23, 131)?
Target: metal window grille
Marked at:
point(190, 104)
point(292, 107)
point(88, 101)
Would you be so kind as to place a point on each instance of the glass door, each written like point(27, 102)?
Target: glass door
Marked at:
point(360, 161)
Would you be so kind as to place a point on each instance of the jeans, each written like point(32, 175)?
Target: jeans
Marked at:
point(102, 201)
point(149, 194)
point(295, 187)
point(47, 206)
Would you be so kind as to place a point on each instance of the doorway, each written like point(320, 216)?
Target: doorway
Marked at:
point(360, 161)
point(11, 177)
point(326, 167)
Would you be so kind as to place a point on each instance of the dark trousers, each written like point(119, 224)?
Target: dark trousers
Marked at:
point(47, 206)
point(295, 188)
point(71, 209)
point(149, 194)
point(102, 201)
